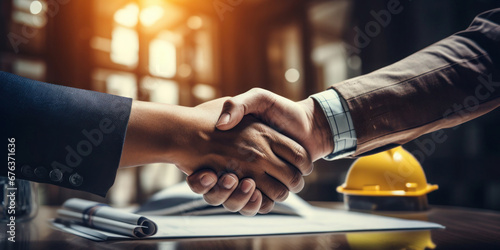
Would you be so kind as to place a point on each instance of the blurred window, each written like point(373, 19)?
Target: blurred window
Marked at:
point(160, 90)
point(329, 54)
point(284, 52)
point(155, 51)
point(26, 39)
point(162, 58)
point(124, 46)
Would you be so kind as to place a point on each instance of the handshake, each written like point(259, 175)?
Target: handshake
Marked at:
point(244, 152)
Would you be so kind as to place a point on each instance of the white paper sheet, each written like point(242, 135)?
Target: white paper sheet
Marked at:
point(317, 220)
point(181, 223)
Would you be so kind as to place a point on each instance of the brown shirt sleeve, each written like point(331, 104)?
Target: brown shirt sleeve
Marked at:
point(448, 83)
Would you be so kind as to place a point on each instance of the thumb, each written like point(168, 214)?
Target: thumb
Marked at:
point(254, 101)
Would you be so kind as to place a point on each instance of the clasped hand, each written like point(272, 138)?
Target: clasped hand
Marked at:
point(255, 165)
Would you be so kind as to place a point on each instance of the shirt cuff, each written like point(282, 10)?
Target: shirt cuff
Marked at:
point(339, 119)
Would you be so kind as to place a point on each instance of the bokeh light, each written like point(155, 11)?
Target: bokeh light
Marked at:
point(151, 15)
point(292, 75)
point(127, 16)
point(195, 22)
point(36, 7)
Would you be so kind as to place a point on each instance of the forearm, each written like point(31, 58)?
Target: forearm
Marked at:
point(155, 133)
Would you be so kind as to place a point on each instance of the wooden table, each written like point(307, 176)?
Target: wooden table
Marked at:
point(465, 229)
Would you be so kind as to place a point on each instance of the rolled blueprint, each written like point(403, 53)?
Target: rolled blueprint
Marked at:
point(97, 215)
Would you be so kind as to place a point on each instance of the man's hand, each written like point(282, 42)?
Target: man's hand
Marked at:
point(303, 121)
point(252, 153)
point(234, 199)
point(249, 150)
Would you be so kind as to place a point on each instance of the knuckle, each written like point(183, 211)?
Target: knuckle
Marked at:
point(256, 155)
point(195, 187)
point(266, 207)
point(256, 90)
point(263, 131)
point(299, 156)
point(229, 104)
point(281, 195)
point(309, 169)
point(296, 179)
point(261, 94)
point(302, 160)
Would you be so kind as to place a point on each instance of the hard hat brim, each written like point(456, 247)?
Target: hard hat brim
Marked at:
point(428, 189)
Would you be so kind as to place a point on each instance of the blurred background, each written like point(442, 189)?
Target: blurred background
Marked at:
point(189, 51)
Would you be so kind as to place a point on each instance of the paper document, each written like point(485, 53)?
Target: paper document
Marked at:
point(294, 216)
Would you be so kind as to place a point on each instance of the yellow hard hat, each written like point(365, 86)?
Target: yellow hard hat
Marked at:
point(390, 173)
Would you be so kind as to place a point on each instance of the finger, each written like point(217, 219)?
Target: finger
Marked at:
point(284, 173)
point(255, 101)
point(277, 161)
point(271, 187)
point(241, 195)
point(253, 205)
point(226, 184)
point(267, 205)
point(202, 181)
point(292, 152)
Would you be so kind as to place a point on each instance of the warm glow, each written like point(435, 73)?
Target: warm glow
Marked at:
point(163, 91)
point(195, 22)
point(101, 43)
point(292, 75)
point(36, 7)
point(162, 58)
point(127, 16)
point(122, 85)
point(204, 92)
point(36, 21)
point(151, 15)
point(33, 69)
point(185, 70)
point(124, 46)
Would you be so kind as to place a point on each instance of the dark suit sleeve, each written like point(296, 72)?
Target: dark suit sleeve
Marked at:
point(450, 82)
point(63, 136)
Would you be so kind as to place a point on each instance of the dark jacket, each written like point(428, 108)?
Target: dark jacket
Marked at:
point(64, 136)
